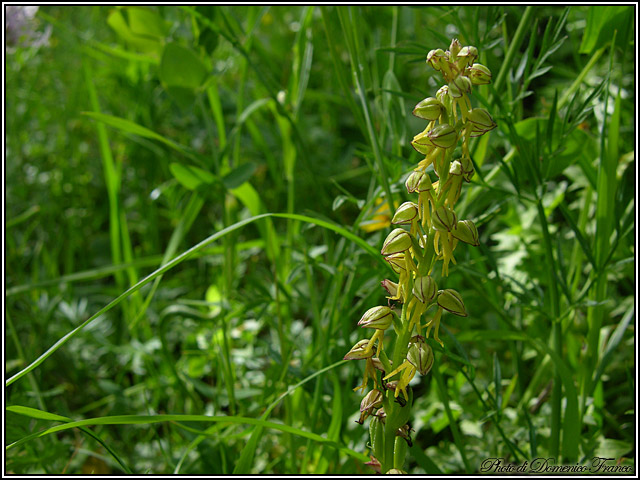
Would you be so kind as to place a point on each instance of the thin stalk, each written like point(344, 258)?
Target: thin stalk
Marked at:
point(356, 68)
point(213, 96)
point(604, 211)
point(518, 37)
point(444, 398)
point(21, 357)
point(112, 183)
point(580, 78)
point(394, 35)
point(556, 395)
point(390, 430)
point(191, 211)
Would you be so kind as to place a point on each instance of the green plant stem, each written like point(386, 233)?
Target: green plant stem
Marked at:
point(580, 78)
point(556, 395)
point(20, 352)
point(518, 37)
point(389, 441)
point(387, 461)
point(112, 183)
point(356, 68)
point(606, 186)
point(444, 398)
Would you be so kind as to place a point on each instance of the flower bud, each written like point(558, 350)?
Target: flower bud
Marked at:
point(443, 94)
point(455, 168)
point(429, 109)
point(467, 168)
point(425, 184)
point(359, 351)
point(404, 432)
point(466, 232)
point(390, 287)
point(377, 364)
point(443, 136)
point(374, 463)
point(391, 386)
point(397, 262)
point(481, 121)
point(420, 355)
point(413, 181)
point(478, 74)
point(454, 48)
point(405, 214)
point(422, 240)
point(444, 219)
point(371, 400)
point(435, 57)
point(466, 56)
point(454, 91)
point(463, 84)
point(397, 241)
point(396, 471)
point(379, 318)
point(452, 302)
point(422, 143)
point(425, 289)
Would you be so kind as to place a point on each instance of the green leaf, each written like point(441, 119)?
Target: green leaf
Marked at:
point(333, 432)
point(35, 413)
point(119, 24)
point(249, 198)
point(42, 415)
point(183, 96)
point(146, 22)
point(181, 67)
point(151, 419)
point(601, 22)
point(568, 150)
point(497, 382)
point(191, 177)
point(424, 461)
point(612, 448)
point(209, 40)
point(612, 344)
point(128, 126)
point(239, 175)
point(394, 106)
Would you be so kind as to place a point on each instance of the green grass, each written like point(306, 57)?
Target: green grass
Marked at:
point(185, 265)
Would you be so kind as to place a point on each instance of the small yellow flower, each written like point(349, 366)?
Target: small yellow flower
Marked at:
point(408, 372)
point(361, 350)
point(435, 324)
point(381, 216)
point(370, 367)
point(369, 372)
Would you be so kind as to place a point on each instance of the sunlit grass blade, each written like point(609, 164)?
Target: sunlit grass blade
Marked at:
point(151, 419)
point(127, 126)
point(42, 415)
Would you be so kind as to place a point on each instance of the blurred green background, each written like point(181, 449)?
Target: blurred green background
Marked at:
point(133, 133)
